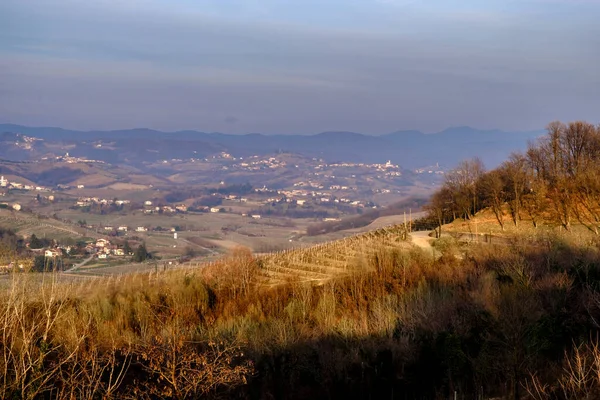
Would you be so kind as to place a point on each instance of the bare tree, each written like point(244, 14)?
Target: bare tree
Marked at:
point(492, 185)
point(462, 183)
point(515, 177)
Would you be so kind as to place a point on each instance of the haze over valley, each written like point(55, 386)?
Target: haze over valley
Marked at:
point(300, 199)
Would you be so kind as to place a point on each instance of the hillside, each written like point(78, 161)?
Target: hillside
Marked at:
point(487, 321)
point(25, 224)
point(553, 186)
point(322, 262)
point(410, 149)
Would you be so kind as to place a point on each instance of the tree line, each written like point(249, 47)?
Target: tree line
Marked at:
point(557, 181)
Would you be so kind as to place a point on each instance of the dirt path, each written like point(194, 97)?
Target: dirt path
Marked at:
point(81, 264)
point(423, 240)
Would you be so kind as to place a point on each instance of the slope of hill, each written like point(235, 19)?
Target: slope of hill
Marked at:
point(325, 261)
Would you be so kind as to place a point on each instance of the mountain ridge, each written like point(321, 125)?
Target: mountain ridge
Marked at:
point(411, 149)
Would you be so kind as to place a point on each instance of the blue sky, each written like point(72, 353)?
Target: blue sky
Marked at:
point(291, 66)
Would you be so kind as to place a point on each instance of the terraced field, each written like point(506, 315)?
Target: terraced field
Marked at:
point(321, 262)
point(27, 224)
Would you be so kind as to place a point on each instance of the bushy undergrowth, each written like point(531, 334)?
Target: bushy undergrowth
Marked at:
point(517, 321)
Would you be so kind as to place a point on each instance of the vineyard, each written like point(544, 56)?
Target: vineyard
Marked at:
point(26, 224)
point(321, 262)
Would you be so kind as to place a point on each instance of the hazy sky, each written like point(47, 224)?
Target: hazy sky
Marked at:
point(299, 66)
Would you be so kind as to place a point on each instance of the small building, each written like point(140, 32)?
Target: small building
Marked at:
point(122, 228)
point(52, 253)
point(141, 229)
point(147, 203)
point(119, 252)
point(80, 186)
point(3, 181)
point(214, 210)
point(255, 216)
point(300, 202)
point(108, 228)
point(103, 255)
point(16, 207)
point(102, 243)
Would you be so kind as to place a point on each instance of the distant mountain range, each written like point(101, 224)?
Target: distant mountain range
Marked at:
point(410, 149)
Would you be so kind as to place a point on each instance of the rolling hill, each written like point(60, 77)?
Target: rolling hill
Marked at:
point(411, 149)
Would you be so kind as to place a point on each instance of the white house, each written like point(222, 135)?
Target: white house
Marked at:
point(102, 243)
point(80, 186)
point(3, 181)
point(147, 203)
point(52, 253)
point(255, 216)
point(122, 228)
point(141, 229)
point(214, 210)
point(16, 207)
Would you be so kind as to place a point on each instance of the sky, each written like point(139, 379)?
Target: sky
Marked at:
point(299, 66)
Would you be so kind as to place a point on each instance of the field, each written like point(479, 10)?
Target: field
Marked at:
point(27, 224)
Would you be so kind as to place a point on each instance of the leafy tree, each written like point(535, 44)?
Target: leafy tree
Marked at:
point(127, 248)
point(141, 254)
point(35, 242)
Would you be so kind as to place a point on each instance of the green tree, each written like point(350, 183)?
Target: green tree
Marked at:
point(35, 242)
point(141, 254)
point(127, 248)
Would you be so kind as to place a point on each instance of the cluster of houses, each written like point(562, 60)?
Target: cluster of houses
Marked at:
point(290, 196)
point(433, 169)
point(102, 249)
point(259, 165)
point(72, 160)
point(165, 209)
point(88, 201)
point(149, 208)
point(5, 183)
point(378, 167)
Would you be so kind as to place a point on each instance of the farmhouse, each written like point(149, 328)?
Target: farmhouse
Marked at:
point(3, 181)
point(53, 253)
point(141, 229)
point(102, 243)
point(255, 216)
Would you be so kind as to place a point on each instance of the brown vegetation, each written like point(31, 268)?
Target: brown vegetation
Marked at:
point(557, 181)
point(494, 321)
